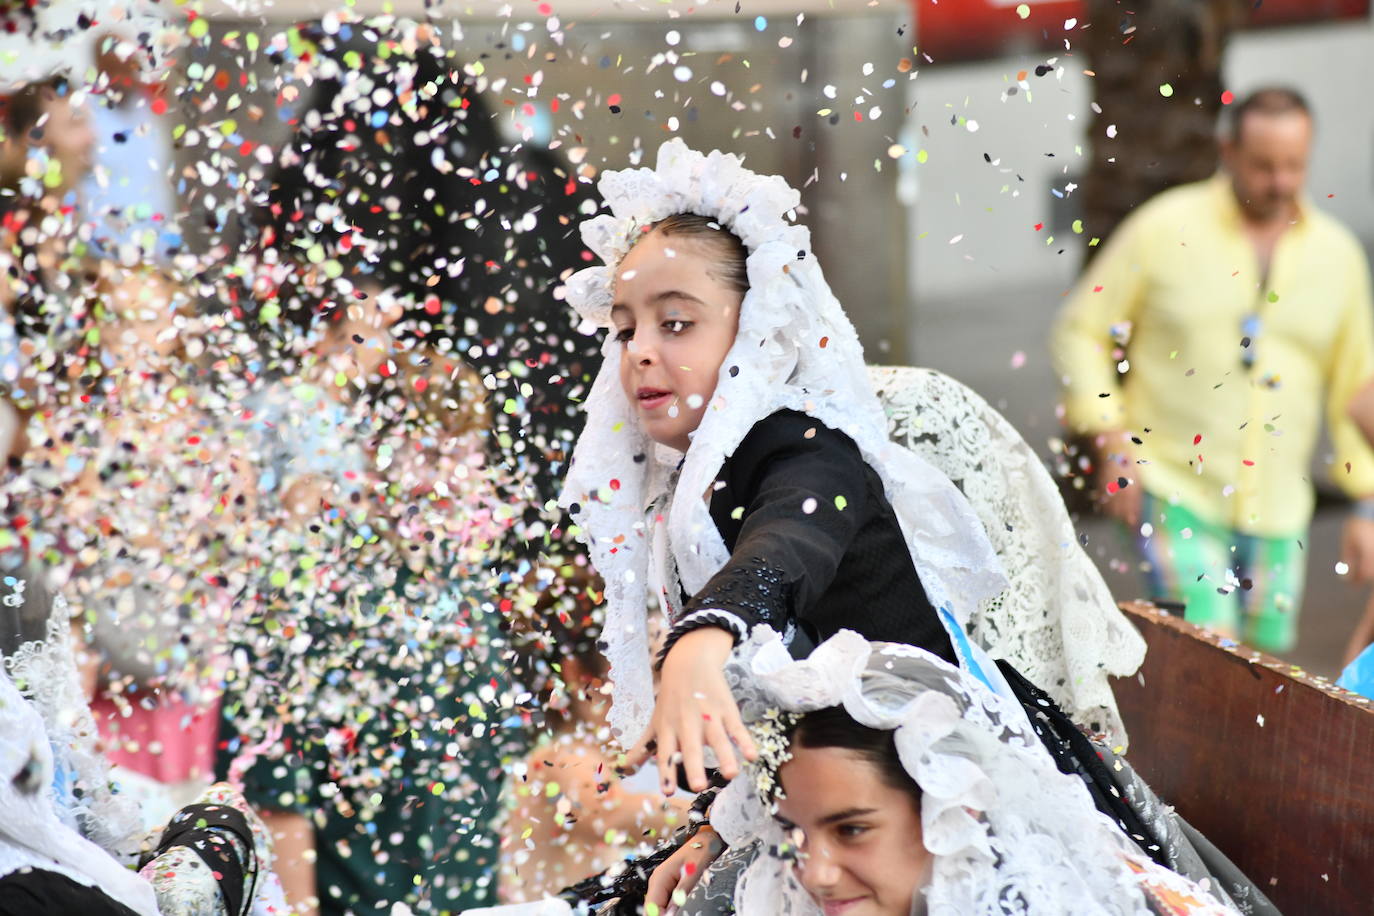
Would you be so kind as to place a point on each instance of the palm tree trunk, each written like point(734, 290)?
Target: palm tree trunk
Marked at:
point(1158, 83)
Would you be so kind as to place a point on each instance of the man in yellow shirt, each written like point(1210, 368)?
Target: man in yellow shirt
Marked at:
point(1199, 349)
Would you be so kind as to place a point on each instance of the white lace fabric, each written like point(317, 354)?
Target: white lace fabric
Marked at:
point(795, 349)
point(32, 834)
point(1009, 833)
point(46, 673)
point(1057, 621)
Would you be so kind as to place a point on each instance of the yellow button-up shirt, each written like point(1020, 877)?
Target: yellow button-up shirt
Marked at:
point(1227, 430)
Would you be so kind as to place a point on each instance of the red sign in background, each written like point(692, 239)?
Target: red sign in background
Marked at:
point(968, 29)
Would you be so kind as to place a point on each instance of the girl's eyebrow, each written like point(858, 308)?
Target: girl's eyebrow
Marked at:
point(674, 294)
point(846, 814)
point(666, 295)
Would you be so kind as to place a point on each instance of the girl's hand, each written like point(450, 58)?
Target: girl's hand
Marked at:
point(694, 710)
point(683, 869)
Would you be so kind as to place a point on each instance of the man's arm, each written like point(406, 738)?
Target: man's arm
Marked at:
point(1093, 325)
point(1348, 409)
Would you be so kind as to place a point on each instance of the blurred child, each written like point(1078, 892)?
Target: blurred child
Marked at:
point(572, 815)
point(132, 487)
point(379, 674)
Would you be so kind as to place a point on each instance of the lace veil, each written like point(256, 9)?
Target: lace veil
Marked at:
point(32, 834)
point(45, 672)
point(795, 349)
point(1010, 834)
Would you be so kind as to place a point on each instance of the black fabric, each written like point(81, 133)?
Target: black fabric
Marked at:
point(200, 828)
point(623, 894)
point(1073, 753)
point(700, 621)
point(814, 541)
point(1246, 894)
point(35, 892)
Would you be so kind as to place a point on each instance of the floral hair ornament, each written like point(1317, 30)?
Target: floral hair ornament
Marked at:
point(795, 350)
point(1008, 831)
point(772, 733)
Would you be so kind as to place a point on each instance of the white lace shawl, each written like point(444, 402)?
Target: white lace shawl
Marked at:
point(46, 672)
point(1009, 833)
point(1057, 621)
point(795, 349)
point(31, 832)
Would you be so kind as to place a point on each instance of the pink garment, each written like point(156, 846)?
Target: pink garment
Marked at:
point(187, 734)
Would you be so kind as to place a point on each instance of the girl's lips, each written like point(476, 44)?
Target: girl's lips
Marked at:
point(650, 399)
point(837, 907)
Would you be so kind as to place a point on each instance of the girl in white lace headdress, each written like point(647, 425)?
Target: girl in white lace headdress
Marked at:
point(897, 784)
point(736, 462)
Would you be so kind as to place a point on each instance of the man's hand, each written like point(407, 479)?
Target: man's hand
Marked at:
point(1357, 549)
point(1115, 464)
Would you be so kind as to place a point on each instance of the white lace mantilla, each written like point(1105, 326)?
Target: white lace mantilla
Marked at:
point(1009, 833)
point(32, 831)
point(795, 349)
point(46, 674)
point(1056, 621)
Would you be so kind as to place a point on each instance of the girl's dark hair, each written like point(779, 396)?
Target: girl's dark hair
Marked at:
point(833, 727)
point(22, 108)
point(20, 112)
point(729, 267)
point(435, 188)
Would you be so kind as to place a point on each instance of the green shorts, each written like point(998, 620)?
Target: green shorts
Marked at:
point(1245, 586)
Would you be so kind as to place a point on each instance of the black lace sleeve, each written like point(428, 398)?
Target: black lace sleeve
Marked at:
point(789, 503)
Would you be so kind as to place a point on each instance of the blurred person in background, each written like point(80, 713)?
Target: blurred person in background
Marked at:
point(376, 673)
point(572, 813)
point(1240, 311)
point(151, 513)
point(47, 277)
point(125, 479)
point(1358, 659)
point(392, 267)
point(129, 192)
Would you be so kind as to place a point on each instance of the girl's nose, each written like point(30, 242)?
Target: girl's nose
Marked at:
point(818, 870)
point(643, 351)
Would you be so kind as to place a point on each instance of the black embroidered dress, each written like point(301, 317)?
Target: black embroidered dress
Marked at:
point(814, 544)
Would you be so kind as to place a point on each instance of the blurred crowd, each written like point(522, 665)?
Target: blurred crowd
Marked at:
point(288, 502)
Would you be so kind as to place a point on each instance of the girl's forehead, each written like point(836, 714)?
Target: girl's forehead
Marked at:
point(664, 251)
point(652, 268)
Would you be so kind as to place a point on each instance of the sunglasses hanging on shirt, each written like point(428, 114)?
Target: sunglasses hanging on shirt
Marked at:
point(1250, 327)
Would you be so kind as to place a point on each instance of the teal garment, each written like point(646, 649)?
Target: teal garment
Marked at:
point(1358, 676)
point(404, 795)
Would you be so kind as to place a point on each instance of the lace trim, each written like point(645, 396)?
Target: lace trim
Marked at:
point(32, 831)
point(46, 674)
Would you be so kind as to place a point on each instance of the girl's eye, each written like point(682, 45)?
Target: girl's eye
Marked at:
point(624, 335)
point(676, 326)
point(852, 831)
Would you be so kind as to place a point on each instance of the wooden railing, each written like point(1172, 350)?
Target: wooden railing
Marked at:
point(1274, 766)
